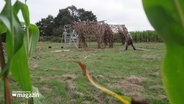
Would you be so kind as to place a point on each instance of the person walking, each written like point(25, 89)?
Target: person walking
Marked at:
point(129, 41)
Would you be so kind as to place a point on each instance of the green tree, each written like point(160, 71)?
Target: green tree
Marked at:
point(46, 25)
point(54, 26)
point(71, 13)
point(63, 17)
point(86, 15)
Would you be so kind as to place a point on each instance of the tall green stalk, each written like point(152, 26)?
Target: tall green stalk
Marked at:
point(7, 93)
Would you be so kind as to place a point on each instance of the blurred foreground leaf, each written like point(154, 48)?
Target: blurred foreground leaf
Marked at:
point(167, 17)
point(31, 39)
point(20, 70)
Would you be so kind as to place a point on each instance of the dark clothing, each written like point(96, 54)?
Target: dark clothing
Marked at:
point(131, 45)
point(128, 41)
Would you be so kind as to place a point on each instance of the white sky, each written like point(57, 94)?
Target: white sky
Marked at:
point(128, 12)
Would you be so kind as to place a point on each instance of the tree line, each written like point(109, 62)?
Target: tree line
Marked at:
point(53, 26)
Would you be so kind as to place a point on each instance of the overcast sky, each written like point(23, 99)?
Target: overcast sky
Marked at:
point(128, 12)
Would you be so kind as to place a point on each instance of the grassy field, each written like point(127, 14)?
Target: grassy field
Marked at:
point(131, 73)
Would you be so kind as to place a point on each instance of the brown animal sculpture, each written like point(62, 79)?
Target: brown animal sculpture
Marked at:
point(101, 31)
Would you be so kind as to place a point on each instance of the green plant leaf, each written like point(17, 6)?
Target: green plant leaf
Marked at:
point(5, 16)
point(30, 39)
point(3, 28)
point(32, 32)
point(4, 24)
point(24, 10)
point(7, 10)
point(173, 73)
point(16, 53)
point(167, 17)
point(20, 70)
point(33, 38)
point(15, 30)
point(6, 19)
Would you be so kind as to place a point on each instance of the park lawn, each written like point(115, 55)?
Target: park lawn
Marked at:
point(132, 73)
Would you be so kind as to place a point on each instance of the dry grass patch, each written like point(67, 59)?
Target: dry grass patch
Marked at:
point(130, 85)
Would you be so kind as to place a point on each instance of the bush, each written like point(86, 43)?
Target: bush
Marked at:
point(51, 39)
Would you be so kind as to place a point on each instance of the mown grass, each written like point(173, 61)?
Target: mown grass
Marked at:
point(131, 73)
